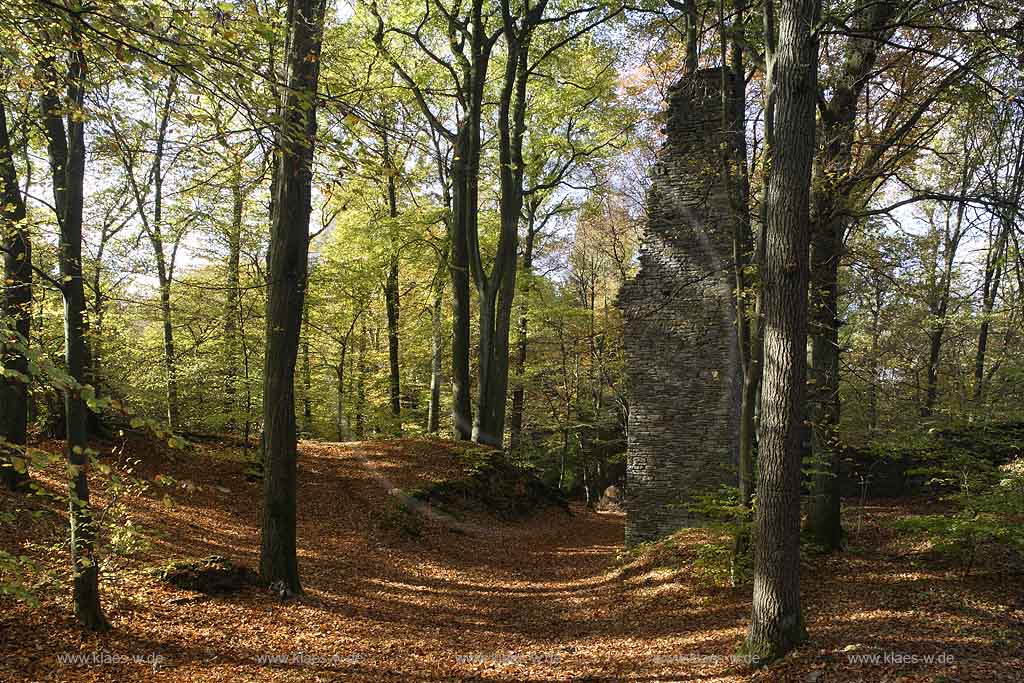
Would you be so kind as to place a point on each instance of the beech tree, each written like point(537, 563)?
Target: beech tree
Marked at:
point(286, 284)
point(64, 122)
point(17, 301)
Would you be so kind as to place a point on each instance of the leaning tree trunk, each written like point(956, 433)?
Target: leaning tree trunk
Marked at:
point(776, 621)
point(287, 269)
point(66, 147)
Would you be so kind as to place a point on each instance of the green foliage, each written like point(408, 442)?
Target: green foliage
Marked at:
point(400, 516)
point(988, 509)
point(729, 560)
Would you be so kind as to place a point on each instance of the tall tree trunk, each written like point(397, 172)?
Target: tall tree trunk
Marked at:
point(737, 186)
point(436, 357)
point(17, 307)
point(831, 204)
point(307, 379)
point(465, 168)
point(939, 304)
point(995, 266)
point(876, 337)
point(990, 290)
point(496, 291)
point(287, 270)
point(391, 300)
point(522, 331)
point(777, 623)
point(232, 309)
point(361, 385)
point(66, 147)
point(163, 269)
point(339, 370)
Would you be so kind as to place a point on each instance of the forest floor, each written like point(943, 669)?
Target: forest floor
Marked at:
point(548, 599)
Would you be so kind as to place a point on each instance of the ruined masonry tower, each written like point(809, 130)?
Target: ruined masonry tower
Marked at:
point(680, 338)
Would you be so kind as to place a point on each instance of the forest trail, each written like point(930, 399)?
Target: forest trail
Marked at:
point(470, 599)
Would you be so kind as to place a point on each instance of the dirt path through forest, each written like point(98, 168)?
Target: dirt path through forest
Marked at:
point(470, 599)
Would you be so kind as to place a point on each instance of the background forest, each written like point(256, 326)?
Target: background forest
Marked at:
point(475, 178)
point(176, 204)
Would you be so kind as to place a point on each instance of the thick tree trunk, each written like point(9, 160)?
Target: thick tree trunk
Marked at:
point(831, 197)
point(66, 147)
point(17, 307)
point(16, 302)
point(777, 622)
point(287, 269)
point(497, 290)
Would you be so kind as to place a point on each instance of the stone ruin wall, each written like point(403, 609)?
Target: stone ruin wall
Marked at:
point(680, 338)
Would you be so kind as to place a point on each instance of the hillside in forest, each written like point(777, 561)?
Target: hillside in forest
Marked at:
point(445, 591)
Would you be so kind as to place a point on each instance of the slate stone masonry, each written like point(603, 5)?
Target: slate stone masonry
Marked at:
point(680, 338)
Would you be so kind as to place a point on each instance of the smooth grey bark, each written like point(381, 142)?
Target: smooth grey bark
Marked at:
point(287, 269)
point(777, 623)
point(471, 47)
point(496, 290)
point(17, 307)
point(66, 150)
